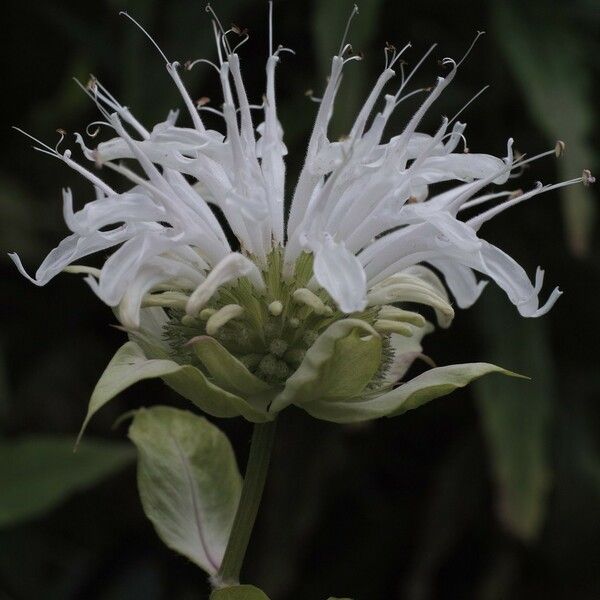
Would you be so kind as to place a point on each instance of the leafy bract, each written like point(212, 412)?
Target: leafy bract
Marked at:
point(188, 481)
point(416, 392)
point(226, 370)
point(340, 364)
point(130, 365)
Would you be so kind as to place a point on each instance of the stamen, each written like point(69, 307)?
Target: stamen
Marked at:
point(190, 64)
point(409, 95)
point(31, 137)
point(62, 133)
point(516, 198)
point(309, 94)
point(246, 37)
point(354, 57)
point(66, 158)
point(396, 55)
point(98, 125)
point(223, 37)
point(483, 89)
point(343, 43)
point(520, 163)
point(222, 317)
point(488, 197)
point(479, 34)
point(212, 110)
point(126, 14)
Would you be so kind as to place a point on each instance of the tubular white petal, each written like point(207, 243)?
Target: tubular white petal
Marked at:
point(338, 271)
point(460, 280)
point(73, 248)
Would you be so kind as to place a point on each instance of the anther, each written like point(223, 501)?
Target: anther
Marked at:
point(222, 317)
point(559, 149)
point(587, 178)
point(202, 101)
point(239, 30)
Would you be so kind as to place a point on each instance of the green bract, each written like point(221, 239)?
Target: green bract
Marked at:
point(188, 480)
point(252, 353)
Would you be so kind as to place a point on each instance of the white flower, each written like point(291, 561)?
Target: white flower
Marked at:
point(365, 208)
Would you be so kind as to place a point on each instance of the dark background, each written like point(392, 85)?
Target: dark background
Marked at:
point(490, 493)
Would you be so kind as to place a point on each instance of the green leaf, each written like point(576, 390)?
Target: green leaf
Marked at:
point(239, 592)
point(339, 364)
point(226, 370)
point(188, 481)
point(416, 392)
point(518, 422)
point(37, 473)
point(130, 365)
point(557, 87)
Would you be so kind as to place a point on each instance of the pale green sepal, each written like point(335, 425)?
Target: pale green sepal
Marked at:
point(339, 364)
point(416, 392)
point(188, 481)
point(130, 365)
point(226, 370)
point(239, 592)
point(192, 384)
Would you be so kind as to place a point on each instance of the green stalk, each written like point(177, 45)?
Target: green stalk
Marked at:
point(252, 491)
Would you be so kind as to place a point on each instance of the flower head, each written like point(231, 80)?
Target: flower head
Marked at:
point(313, 307)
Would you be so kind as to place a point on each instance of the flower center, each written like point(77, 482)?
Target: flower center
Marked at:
point(268, 331)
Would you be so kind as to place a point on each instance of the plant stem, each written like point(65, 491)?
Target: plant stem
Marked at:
point(252, 491)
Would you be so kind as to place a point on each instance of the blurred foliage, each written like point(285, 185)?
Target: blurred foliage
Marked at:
point(434, 504)
point(516, 418)
point(554, 71)
point(38, 472)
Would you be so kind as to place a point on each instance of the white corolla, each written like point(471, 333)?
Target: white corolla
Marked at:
point(262, 306)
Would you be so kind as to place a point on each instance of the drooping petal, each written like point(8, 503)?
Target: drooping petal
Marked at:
point(339, 272)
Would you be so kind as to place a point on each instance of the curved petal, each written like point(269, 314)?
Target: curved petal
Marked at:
point(338, 271)
point(232, 267)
